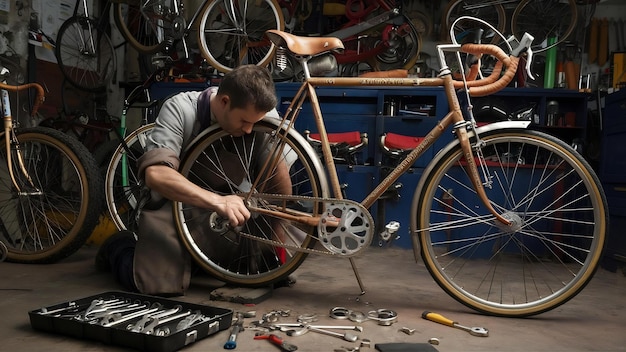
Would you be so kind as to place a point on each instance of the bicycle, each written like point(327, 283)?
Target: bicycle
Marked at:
point(376, 32)
point(84, 51)
point(50, 188)
point(509, 221)
point(93, 127)
point(541, 18)
point(230, 32)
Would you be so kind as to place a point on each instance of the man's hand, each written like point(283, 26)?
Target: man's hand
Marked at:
point(232, 208)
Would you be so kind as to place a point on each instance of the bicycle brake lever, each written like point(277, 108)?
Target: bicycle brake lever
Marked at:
point(524, 45)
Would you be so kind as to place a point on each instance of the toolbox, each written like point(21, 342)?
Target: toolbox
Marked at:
point(141, 322)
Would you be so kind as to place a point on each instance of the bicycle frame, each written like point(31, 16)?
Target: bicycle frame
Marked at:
point(454, 117)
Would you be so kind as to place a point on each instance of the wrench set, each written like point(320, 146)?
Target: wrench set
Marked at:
point(132, 320)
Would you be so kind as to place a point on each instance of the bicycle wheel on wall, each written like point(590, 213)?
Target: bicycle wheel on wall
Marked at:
point(229, 165)
point(144, 24)
point(122, 184)
point(558, 213)
point(401, 50)
point(51, 218)
point(85, 54)
point(545, 19)
point(490, 12)
point(232, 32)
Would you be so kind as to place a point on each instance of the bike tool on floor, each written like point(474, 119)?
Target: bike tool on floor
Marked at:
point(438, 318)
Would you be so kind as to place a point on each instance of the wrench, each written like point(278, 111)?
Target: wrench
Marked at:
point(347, 336)
point(438, 318)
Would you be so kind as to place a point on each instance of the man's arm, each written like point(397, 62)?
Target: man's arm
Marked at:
point(172, 185)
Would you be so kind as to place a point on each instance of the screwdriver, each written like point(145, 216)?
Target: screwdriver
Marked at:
point(231, 344)
point(438, 318)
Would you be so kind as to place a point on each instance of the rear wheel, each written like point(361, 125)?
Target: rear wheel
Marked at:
point(229, 165)
point(549, 253)
point(54, 212)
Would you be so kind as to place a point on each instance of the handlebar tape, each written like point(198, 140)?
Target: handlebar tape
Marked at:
point(494, 82)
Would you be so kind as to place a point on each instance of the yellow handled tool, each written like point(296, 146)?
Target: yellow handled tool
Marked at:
point(438, 318)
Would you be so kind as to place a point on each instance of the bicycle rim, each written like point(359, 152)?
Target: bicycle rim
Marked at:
point(53, 219)
point(492, 13)
point(550, 253)
point(544, 19)
point(122, 183)
point(85, 54)
point(144, 24)
point(232, 33)
point(226, 165)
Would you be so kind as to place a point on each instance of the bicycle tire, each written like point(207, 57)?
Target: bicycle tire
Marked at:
point(559, 215)
point(220, 158)
point(85, 54)
point(491, 12)
point(122, 183)
point(540, 18)
point(144, 24)
point(48, 225)
point(226, 45)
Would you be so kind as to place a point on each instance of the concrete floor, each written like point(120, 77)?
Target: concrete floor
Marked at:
point(592, 321)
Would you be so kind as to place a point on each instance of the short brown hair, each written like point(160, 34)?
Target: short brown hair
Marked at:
point(249, 84)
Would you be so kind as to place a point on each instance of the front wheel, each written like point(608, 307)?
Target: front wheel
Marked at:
point(558, 213)
point(58, 204)
point(85, 54)
point(232, 33)
point(122, 183)
point(229, 165)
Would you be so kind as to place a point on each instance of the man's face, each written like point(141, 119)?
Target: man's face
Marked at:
point(238, 121)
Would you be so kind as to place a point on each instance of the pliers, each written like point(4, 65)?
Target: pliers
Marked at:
point(284, 346)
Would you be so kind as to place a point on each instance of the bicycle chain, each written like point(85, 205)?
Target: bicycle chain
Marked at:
point(282, 197)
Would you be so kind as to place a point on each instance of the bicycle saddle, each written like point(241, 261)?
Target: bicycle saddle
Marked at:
point(304, 45)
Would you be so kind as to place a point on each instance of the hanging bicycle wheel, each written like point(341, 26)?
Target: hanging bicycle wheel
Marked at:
point(56, 209)
point(558, 215)
point(85, 54)
point(252, 255)
point(232, 33)
point(401, 47)
point(545, 19)
point(144, 24)
point(122, 183)
point(488, 11)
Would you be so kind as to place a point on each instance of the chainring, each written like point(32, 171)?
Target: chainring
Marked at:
point(345, 227)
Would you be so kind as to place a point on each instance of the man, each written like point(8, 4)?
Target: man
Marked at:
point(158, 263)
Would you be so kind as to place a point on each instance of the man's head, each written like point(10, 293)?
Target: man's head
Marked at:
point(244, 96)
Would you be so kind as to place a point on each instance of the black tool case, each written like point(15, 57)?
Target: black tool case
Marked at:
point(64, 323)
